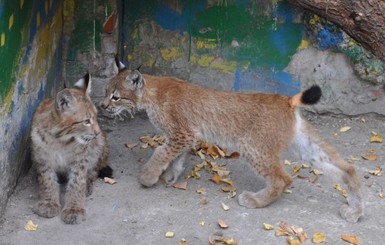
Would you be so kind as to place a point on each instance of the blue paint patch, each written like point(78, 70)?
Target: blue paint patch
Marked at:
point(20, 88)
point(266, 81)
point(329, 37)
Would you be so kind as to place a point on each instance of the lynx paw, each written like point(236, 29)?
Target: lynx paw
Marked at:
point(73, 215)
point(351, 214)
point(46, 209)
point(148, 177)
point(248, 200)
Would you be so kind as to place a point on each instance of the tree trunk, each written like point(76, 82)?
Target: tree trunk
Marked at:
point(363, 20)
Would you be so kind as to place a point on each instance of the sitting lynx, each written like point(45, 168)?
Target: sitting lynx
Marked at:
point(259, 126)
point(68, 146)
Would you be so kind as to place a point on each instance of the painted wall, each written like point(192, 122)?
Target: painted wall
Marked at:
point(250, 41)
point(30, 53)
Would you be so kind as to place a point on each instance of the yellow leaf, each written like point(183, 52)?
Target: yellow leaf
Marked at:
point(370, 157)
point(216, 179)
point(268, 227)
point(229, 241)
point(222, 224)
point(316, 171)
point(281, 232)
point(345, 129)
point(109, 180)
point(202, 191)
point(319, 237)
point(181, 185)
point(381, 195)
point(224, 206)
point(305, 165)
point(202, 223)
point(287, 191)
point(294, 241)
point(227, 181)
point(376, 172)
point(296, 169)
point(287, 162)
point(227, 188)
point(30, 226)
point(182, 242)
point(376, 138)
point(342, 191)
point(169, 234)
point(351, 239)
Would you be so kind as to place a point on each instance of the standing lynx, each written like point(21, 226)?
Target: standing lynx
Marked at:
point(259, 126)
point(68, 146)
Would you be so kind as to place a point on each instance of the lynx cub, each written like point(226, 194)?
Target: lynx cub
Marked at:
point(259, 126)
point(68, 146)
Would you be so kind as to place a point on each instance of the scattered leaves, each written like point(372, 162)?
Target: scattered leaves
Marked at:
point(345, 129)
point(222, 224)
point(296, 234)
point(268, 227)
point(350, 239)
point(153, 141)
point(222, 240)
point(169, 234)
point(30, 226)
point(318, 238)
point(225, 207)
point(376, 138)
point(339, 189)
point(181, 185)
point(109, 180)
point(376, 172)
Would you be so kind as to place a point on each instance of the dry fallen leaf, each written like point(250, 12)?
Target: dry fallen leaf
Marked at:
point(224, 206)
point(345, 129)
point(229, 241)
point(30, 226)
point(293, 241)
point(350, 239)
point(202, 223)
point(318, 238)
point(216, 179)
point(227, 181)
point(182, 242)
point(268, 227)
point(281, 232)
point(381, 195)
point(376, 138)
point(287, 191)
point(109, 180)
point(287, 162)
point(370, 157)
point(202, 191)
point(222, 224)
point(131, 145)
point(316, 171)
point(342, 191)
point(227, 188)
point(233, 155)
point(376, 172)
point(169, 234)
point(204, 201)
point(181, 185)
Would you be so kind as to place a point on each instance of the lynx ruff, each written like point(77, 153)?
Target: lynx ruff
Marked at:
point(259, 126)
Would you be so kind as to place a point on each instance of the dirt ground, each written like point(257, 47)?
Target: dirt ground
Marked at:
point(127, 213)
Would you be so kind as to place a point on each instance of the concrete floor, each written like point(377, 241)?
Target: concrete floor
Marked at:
point(127, 213)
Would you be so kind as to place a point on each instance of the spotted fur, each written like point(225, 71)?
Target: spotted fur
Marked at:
point(259, 126)
point(68, 147)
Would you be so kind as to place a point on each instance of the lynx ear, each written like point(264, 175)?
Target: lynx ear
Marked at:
point(119, 64)
point(63, 100)
point(84, 83)
point(135, 79)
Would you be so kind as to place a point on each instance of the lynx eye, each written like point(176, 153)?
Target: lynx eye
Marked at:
point(115, 98)
point(87, 122)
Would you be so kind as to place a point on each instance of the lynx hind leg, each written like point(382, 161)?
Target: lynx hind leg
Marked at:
point(48, 205)
point(277, 180)
point(172, 173)
point(323, 156)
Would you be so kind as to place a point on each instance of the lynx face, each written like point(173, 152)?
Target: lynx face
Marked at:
point(122, 94)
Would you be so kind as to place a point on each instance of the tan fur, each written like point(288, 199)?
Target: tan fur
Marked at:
point(259, 126)
point(67, 142)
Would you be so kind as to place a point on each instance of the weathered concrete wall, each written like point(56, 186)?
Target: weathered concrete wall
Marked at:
point(252, 45)
point(30, 51)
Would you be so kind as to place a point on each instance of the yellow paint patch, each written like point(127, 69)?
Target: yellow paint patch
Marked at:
point(304, 44)
point(2, 39)
point(21, 3)
point(149, 62)
point(219, 64)
point(205, 60)
point(207, 44)
point(8, 100)
point(46, 6)
point(130, 57)
point(170, 54)
point(38, 19)
point(10, 23)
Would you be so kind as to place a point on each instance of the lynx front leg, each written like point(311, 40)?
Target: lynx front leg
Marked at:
point(75, 196)
point(49, 191)
point(162, 156)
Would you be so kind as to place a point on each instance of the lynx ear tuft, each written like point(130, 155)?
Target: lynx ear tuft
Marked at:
point(119, 64)
point(136, 79)
point(84, 83)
